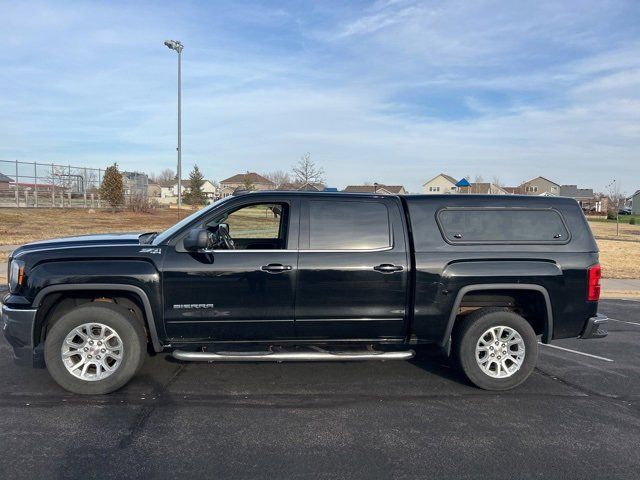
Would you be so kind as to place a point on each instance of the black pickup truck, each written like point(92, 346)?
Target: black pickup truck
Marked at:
point(286, 276)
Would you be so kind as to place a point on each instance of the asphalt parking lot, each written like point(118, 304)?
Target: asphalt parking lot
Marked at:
point(578, 416)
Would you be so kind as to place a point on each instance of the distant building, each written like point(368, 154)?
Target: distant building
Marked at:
point(541, 186)
point(241, 180)
point(635, 203)
point(485, 188)
point(377, 188)
point(440, 184)
point(5, 182)
point(154, 190)
point(169, 191)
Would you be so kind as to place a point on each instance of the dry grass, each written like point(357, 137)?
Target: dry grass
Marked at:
point(18, 226)
point(619, 254)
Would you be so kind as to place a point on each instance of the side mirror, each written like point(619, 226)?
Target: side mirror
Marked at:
point(196, 239)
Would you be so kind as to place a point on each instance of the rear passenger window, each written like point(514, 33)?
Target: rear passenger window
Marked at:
point(348, 225)
point(467, 225)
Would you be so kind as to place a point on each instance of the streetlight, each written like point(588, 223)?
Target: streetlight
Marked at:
point(177, 46)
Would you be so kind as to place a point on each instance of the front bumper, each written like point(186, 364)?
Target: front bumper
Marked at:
point(596, 327)
point(18, 325)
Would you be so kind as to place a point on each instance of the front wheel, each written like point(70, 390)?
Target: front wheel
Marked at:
point(95, 348)
point(496, 348)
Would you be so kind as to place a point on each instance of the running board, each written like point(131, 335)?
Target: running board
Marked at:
point(315, 356)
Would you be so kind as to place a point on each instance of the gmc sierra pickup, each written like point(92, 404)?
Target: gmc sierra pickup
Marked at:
point(286, 276)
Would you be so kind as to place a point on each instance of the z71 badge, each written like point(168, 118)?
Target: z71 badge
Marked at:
point(153, 251)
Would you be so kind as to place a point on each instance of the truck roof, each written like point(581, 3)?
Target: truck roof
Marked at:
point(442, 199)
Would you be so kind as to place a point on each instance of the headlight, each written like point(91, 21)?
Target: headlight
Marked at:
point(16, 275)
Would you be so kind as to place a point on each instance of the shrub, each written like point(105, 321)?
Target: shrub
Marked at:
point(632, 221)
point(611, 215)
point(112, 188)
point(141, 204)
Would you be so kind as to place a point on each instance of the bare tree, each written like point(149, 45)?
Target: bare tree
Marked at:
point(306, 172)
point(616, 200)
point(496, 181)
point(278, 177)
point(247, 183)
point(165, 176)
point(478, 179)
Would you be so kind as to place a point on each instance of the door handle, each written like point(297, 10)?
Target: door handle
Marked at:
point(388, 268)
point(275, 268)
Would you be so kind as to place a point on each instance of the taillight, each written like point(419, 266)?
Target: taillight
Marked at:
point(593, 292)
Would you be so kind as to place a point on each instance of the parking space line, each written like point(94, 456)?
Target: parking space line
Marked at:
point(577, 352)
point(624, 321)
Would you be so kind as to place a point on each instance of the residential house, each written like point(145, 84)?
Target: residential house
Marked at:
point(514, 190)
point(589, 202)
point(154, 190)
point(169, 191)
point(485, 188)
point(440, 184)
point(5, 182)
point(635, 203)
point(377, 188)
point(541, 186)
point(241, 180)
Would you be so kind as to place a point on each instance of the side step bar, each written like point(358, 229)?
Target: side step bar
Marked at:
point(283, 356)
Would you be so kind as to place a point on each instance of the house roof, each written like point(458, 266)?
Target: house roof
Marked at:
point(512, 190)
point(574, 192)
point(314, 187)
point(4, 178)
point(373, 188)
point(448, 177)
point(252, 177)
point(543, 178)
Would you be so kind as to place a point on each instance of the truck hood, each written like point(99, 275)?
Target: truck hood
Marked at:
point(81, 241)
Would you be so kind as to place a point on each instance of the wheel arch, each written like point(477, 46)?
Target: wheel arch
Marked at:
point(132, 290)
point(524, 287)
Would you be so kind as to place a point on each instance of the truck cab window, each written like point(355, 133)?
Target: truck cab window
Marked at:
point(256, 227)
point(354, 225)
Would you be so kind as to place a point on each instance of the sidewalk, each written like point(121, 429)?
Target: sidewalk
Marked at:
point(621, 288)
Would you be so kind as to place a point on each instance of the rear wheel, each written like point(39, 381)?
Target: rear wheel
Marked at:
point(95, 348)
point(496, 348)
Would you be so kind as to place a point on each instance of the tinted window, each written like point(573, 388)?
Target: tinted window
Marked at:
point(502, 225)
point(348, 225)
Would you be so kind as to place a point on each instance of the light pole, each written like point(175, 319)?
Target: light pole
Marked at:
point(177, 46)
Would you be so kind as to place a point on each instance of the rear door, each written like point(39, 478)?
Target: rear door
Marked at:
point(353, 269)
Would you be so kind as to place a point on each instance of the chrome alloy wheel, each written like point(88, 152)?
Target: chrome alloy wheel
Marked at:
point(500, 352)
point(92, 351)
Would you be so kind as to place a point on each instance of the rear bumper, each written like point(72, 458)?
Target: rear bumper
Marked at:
point(17, 325)
point(596, 327)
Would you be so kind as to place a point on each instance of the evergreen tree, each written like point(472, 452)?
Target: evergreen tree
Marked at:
point(195, 195)
point(112, 188)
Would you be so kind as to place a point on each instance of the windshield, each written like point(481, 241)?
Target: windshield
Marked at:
point(169, 232)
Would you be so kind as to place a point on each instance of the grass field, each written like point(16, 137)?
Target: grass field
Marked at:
point(619, 254)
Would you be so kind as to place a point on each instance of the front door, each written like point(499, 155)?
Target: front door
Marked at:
point(243, 293)
point(352, 270)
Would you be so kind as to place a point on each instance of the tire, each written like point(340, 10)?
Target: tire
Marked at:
point(70, 336)
point(483, 368)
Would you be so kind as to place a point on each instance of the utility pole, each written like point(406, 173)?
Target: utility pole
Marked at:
point(177, 46)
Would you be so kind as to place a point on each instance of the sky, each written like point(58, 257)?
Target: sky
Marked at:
point(390, 91)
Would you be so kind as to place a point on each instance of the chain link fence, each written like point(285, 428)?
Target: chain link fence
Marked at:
point(33, 184)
